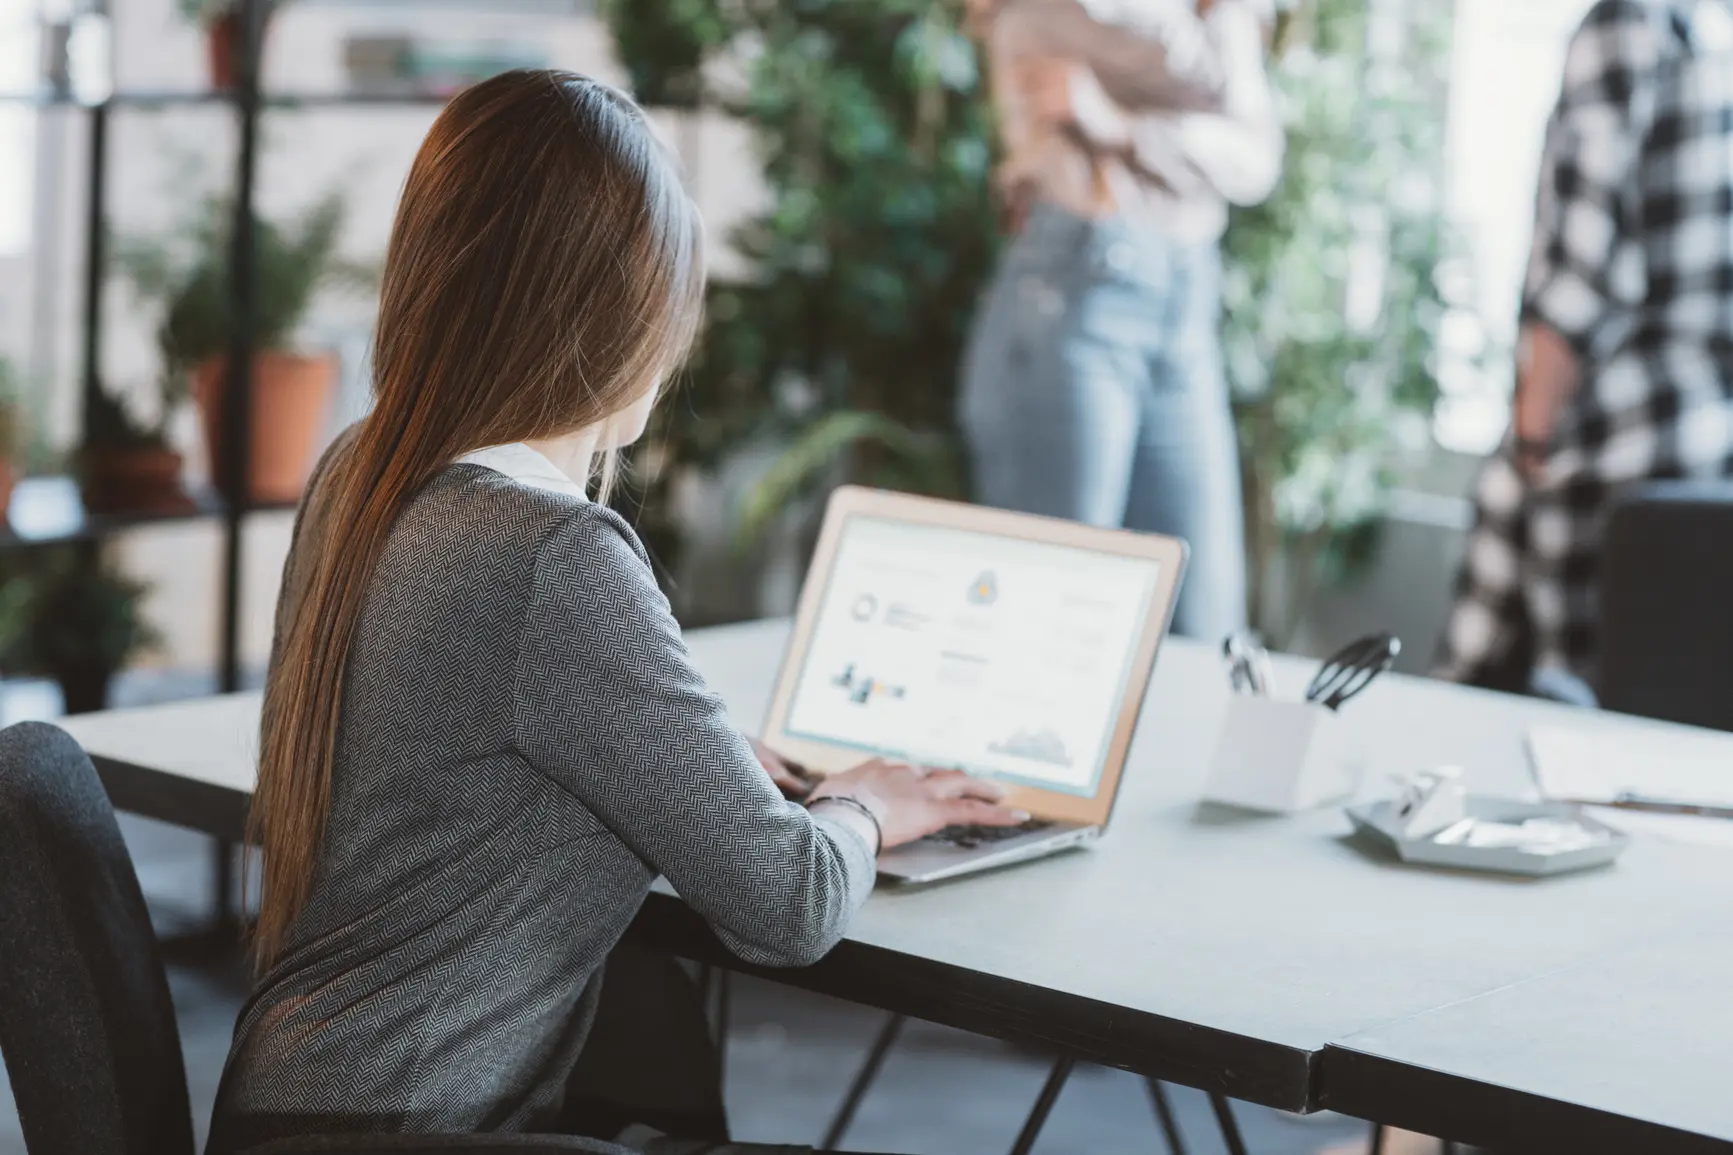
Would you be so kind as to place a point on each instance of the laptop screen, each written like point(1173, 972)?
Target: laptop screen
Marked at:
point(1001, 656)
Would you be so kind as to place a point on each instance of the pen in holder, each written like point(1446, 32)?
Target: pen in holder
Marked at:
point(1281, 756)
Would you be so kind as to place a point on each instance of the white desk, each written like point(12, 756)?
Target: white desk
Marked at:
point(1209, 948)
point(1627, 1053)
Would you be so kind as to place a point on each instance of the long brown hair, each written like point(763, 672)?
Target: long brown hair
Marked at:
point(545, 272)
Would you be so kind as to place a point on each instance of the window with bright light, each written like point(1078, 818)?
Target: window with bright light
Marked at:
point(18, 53)
point(1508, 58)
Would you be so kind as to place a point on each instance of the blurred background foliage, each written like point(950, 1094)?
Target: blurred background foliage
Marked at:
point(1335, 291)
point(839, 349)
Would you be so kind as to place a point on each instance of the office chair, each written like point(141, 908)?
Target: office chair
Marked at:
point(87, 1024)
point(1666, 604)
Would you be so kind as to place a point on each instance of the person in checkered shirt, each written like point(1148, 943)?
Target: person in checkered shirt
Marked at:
point(1625, 363)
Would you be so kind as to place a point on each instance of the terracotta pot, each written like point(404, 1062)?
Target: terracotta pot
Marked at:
point(131, 480)
point(223, 40)
point(291, 398)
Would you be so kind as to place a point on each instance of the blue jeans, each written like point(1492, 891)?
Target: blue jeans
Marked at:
point(1093, 390)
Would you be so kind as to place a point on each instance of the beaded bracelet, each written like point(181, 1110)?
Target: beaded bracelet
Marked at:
point(856, 804)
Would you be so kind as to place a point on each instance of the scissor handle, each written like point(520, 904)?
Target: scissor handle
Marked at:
point(1353, 686)
point(1352, 668)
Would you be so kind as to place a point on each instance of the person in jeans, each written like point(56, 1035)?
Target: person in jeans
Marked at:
point(1625, 367)
point(1092, 381)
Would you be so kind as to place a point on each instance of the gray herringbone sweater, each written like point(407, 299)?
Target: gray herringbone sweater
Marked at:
point(524, 747)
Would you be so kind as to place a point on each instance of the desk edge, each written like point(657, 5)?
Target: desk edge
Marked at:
point(1175, 1051)
point(202, 806)
point(1154, 1046)
point(1432, 1102)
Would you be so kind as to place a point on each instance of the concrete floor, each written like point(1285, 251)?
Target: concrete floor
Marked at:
point(790, 1055)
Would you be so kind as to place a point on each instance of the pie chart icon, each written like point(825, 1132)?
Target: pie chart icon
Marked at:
point(985, 590)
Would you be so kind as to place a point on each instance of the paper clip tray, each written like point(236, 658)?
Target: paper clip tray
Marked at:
point(1377, 823)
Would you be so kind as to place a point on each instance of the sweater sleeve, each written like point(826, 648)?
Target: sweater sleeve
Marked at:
point(1234, 152)
point(609, 706)
point(1175, 70)
point(1237, 150)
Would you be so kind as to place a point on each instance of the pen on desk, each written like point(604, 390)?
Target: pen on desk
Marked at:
point(1258, 660)
point(1248, 664)
point(1629, 800)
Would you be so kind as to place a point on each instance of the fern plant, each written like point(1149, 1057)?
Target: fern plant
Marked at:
point(841, 345)
point(13, 425)
point(188, 273)
point(1335, 289)
point(72, 616)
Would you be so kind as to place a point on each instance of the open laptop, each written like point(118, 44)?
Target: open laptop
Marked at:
point(1014, 647)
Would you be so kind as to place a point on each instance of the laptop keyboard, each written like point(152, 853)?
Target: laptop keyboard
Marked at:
point(969, 837)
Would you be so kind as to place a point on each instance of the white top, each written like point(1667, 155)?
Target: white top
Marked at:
point(1171, 115)
point(525, 466)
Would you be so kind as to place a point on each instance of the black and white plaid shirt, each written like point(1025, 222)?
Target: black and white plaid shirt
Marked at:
point(1633, 264)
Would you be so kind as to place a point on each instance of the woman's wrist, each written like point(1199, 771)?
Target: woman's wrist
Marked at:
point(1531, 427)
point(865, 819)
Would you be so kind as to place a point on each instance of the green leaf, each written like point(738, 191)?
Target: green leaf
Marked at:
point(814, 455)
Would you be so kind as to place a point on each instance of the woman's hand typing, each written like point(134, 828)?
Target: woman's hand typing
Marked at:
point(911, 802)
point(789, 778)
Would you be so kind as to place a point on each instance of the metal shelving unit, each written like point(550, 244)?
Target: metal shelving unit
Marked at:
point(47, 511)
point(288, 100)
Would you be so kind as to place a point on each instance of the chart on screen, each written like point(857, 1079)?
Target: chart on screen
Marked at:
point(997, 655)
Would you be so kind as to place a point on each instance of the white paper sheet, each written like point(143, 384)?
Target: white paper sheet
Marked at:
point(1599, 763)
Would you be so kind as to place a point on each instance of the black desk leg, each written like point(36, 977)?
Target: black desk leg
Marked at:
point(1449, 1148)
point(1043, 1106)
point(223, 882)
point(719, 980)
point(220, 941)
point(863, 1081)
point(1165, 1116)
point(1378, 1134)
point(1229, 1125)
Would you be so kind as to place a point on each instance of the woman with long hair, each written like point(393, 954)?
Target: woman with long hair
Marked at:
point(1092, 383)
point(483, 738)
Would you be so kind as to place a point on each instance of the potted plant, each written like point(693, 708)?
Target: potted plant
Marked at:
point(11, 420)
point(224, 35)
point(291, 391)
point(836, 351)
point(127, 465)
point(72, 617)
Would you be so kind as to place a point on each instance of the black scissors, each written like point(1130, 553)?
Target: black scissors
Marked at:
point(1352, 668)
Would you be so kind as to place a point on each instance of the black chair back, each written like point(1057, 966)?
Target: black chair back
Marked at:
point(87, 1025)
point(1666, 605)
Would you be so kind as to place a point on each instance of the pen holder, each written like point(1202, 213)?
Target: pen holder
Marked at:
point(1281, 757)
